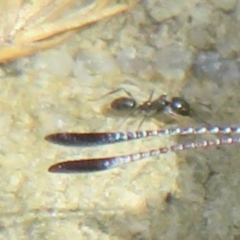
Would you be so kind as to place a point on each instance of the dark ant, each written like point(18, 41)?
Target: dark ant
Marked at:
point(151, 108)
point(175, 106)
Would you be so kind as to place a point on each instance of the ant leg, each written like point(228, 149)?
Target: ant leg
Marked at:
point(195, 115)
point(150, 96)
point(113, 92)
point(118, 90)
point(145, 103)
point(127, 92)
point(141, 123)
point(128, 115)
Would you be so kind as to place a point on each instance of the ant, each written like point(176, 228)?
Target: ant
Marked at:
point(175, 106)
point(162, 105)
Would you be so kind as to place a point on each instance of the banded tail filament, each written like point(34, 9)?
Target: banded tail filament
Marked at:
point(102, 138)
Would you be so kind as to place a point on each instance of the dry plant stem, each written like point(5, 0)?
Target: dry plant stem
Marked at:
point(38, 25)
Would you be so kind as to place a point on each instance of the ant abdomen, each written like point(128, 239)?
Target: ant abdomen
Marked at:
point(123, 104)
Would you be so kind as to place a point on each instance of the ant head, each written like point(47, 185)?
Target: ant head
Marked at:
point(180, 106)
